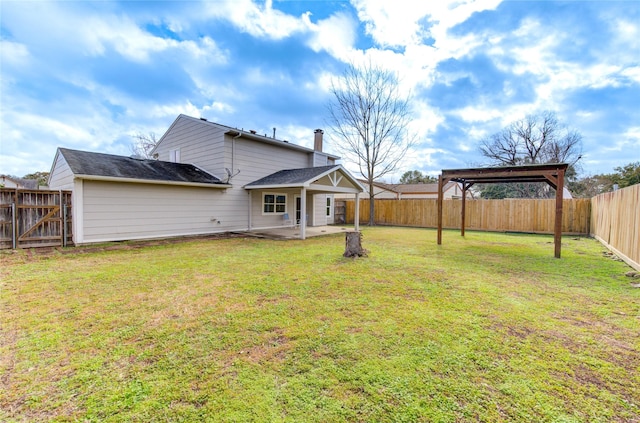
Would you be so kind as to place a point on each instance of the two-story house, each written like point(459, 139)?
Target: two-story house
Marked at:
point(204, 178)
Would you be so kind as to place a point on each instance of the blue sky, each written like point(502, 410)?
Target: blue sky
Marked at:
point(90, 75)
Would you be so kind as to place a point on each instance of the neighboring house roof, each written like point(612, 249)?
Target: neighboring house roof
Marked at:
point(250, 134)
point(18, 182)
point(305, 177)
point(89, 165)
point(412, 188)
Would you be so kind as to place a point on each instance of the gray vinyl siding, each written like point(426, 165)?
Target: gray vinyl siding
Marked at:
point(320, 210)
point(120, 211)
point(321, 159)
point(61, 175)
point(206, 145)
point(261, 220)
point(256, 160)
point(200, 143)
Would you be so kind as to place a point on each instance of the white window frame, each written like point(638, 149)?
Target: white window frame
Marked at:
point(174, 155)
point(275, 203)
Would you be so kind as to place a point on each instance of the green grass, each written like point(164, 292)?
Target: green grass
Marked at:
point(489, 327)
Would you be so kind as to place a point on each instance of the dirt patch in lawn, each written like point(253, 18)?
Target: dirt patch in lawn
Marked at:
point(46, 252)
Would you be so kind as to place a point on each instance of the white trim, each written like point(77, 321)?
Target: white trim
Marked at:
point(335, 180)
point(150, 181)
point(276, 186)
point(77, 211)
point(275, 203)
point(327, 188)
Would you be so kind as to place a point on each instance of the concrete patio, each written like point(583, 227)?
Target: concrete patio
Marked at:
point(294, 232)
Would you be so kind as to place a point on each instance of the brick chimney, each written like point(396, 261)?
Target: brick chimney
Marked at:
point(317, 141)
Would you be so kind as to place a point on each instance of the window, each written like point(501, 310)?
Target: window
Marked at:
point(174, 156)
point(329, 206)
point(274, 203)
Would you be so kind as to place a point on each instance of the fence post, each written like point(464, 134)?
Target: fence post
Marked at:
point(64, 223)
point(14, 221)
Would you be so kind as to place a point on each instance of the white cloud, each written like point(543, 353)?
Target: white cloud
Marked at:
point(401, 23)
point(335, 35)
point(629, 141)
point(95, 32)
point(258, 21)
point(478, 113)
point(14, 54)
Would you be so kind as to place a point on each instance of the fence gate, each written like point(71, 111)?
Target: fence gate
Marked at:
point(34, 218)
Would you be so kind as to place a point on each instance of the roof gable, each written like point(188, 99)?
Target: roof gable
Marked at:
point(234, 132)
point(333, 178)
point(89, 164)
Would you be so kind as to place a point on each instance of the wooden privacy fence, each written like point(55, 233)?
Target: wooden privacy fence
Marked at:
point(34, 218)
point(615, 222)
point(517, 215)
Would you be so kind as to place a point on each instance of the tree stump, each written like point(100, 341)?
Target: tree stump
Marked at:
point(353, 245)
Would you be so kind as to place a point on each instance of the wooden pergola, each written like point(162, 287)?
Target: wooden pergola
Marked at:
point(552, 174)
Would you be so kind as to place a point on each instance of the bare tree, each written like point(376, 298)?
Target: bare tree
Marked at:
point(144, 144)
point(538, 138)
point(368, 120)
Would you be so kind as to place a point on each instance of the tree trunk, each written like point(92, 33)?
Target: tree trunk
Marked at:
point(353, 245)
point(372, 217)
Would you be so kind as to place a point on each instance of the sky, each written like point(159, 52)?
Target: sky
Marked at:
point(90, 75)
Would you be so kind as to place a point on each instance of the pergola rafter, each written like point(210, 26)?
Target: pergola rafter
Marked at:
point(552, 174)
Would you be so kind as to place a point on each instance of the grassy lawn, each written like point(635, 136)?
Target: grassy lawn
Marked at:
point(489, 327)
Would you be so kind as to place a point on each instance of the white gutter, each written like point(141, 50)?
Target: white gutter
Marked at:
point(150, 181)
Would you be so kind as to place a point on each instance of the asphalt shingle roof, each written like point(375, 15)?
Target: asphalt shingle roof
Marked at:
point(292, 176)
point(109, 165)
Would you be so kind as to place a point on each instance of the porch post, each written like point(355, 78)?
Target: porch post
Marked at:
point(356, 218)
point(303, 213)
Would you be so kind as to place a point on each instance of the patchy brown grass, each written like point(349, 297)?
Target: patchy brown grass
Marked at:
point(489, 327)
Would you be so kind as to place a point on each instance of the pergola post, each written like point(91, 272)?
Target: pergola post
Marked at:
point(552, 173)
point(464, 195)
point(440, 196)
point(557, 233)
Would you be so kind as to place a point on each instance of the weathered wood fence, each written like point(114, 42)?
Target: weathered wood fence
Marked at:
point(34, 218)
point(534, 216)
point(615, 221)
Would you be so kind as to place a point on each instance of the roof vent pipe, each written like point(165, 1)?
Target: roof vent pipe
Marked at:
point(274, 133)
point(317, 141)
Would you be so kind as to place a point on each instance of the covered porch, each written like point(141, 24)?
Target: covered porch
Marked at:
point(296, 200)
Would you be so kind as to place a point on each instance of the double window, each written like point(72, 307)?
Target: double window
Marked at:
point(274, 203)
